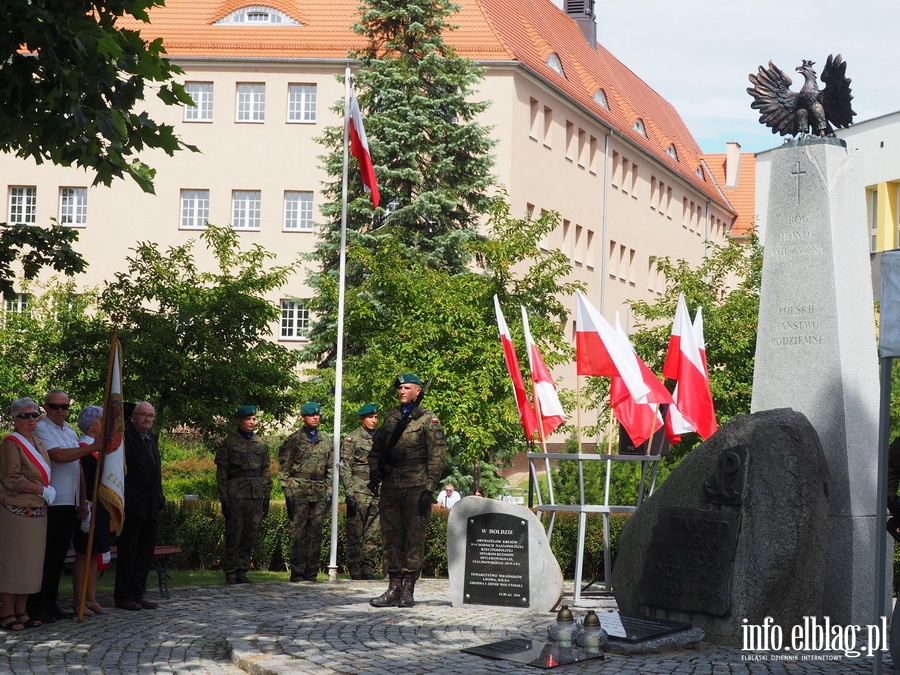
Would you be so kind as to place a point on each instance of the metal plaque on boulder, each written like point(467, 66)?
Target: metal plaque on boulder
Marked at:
point(543, 655)
point(690, 561)
point(496, 571)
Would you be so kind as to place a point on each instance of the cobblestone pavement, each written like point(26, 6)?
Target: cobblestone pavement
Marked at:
point(322, 628)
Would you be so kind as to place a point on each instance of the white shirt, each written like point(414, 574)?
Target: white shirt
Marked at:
point(447, 501)
point(65, 477)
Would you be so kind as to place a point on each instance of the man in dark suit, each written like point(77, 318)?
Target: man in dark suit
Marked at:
point(144, 503)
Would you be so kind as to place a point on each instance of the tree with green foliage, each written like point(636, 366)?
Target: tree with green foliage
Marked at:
point(195, 343)
point(35, 248)
point(442, 325)
point(432, 159)
point(70, 82)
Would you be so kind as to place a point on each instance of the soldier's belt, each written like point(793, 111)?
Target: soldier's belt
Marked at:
point(311, 476)
point(244, 474)
point(411, 461)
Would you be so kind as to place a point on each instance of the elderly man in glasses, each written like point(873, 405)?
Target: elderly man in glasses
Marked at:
point(69, 507)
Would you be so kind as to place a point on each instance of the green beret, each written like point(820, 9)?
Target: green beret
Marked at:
point(408, 378)
point(367, 409)
point(245, 411)
point(311, 408)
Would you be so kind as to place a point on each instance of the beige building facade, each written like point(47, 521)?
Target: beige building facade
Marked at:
point(576, 132)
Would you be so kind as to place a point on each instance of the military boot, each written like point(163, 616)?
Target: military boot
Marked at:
point(242, 578)
point(231, 578)
point(391, 596)
point(406, 592)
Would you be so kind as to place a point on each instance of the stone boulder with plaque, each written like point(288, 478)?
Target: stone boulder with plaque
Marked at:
point(735, 534)
point(498, 554)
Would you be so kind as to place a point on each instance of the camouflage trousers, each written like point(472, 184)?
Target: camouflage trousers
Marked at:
point(403, 531)
point(363, 534)
point(241, 528)
point(306, 539)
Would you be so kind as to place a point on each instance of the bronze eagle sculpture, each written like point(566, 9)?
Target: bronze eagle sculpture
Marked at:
point(811, 110)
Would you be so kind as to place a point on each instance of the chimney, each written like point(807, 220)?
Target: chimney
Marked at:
point(732, 163)
point(583, 13)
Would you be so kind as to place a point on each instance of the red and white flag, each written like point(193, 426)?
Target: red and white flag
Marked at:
point(550, 410)
point(526, 412)
point(359, 146)
point(640, 419)
point(600, 350)
point(692, 395)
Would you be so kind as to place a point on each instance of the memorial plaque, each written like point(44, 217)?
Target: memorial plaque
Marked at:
point(533, 653)
point(690, 561)
point(634, 628)
point(496, 571)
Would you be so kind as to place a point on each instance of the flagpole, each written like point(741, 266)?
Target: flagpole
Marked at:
point(339, 365)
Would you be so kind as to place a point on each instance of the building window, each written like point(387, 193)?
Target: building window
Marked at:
point(638, 126)
point(202, 95)
point(73, 206)
point(534, 131)
point(294, 320)
point(14, 307)
point(301, 103)
point(600, 98)
point(672, 152)
point(258, 15)
point(245, 209)
point(251, 102)
point(298, 211)
point(555, 64)
point(23, 205)
point(194, 209)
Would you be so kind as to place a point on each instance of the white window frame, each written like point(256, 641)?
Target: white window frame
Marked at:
point(302, 100)
point(22, 205)
point(295, 319)
point(202, 94)
point(194, 209)
point(298, 211)
point(246, 209)
point(73, 206)
point(250, 102)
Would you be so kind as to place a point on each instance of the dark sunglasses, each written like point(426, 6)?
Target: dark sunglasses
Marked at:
point(58, 406)
point(26, 416)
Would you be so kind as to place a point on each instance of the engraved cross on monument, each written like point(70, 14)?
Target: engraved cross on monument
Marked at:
point(815, 349)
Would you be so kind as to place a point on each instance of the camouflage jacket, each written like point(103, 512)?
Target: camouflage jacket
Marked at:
point(242, 468)
point(420, 457)
point(305, 471)
point(355, 462)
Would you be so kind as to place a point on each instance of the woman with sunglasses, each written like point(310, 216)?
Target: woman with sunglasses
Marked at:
point(25, 494)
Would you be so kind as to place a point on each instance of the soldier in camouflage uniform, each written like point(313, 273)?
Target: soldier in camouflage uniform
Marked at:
point(245, 482)
point(305, 475)
point(409, 471)
point(362, 506)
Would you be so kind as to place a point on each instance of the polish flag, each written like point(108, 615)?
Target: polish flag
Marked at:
point(549, 408)
point(359, 147)
point(673, 359)
point(640, 419)
point(693, 396)
point(526, 412)
point(600, 350)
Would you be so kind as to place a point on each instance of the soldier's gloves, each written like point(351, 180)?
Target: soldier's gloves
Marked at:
point(328, 503)
point(352, 506)
point(265, 507)
point(375, 478)
point(226, 508)
point(426, 501)
point(289, 506)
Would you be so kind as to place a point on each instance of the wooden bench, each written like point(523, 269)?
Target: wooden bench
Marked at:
point(161, 557)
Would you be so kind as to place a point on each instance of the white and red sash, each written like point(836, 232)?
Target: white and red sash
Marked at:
point(32, 454)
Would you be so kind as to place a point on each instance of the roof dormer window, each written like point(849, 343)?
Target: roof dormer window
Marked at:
point(257, 15)
point(672, 152)
point(554, 63)
point(600, 98)
point(638, 126)
point(699, 173)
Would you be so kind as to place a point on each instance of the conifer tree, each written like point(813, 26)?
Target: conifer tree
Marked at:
point(432, 159)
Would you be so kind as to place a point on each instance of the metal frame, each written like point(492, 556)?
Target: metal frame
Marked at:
point(583, 509)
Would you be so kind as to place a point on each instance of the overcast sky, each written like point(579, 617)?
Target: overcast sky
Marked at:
point(698, 53)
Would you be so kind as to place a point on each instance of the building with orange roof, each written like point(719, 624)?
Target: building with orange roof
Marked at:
point(735, 174)
point(576, 132)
